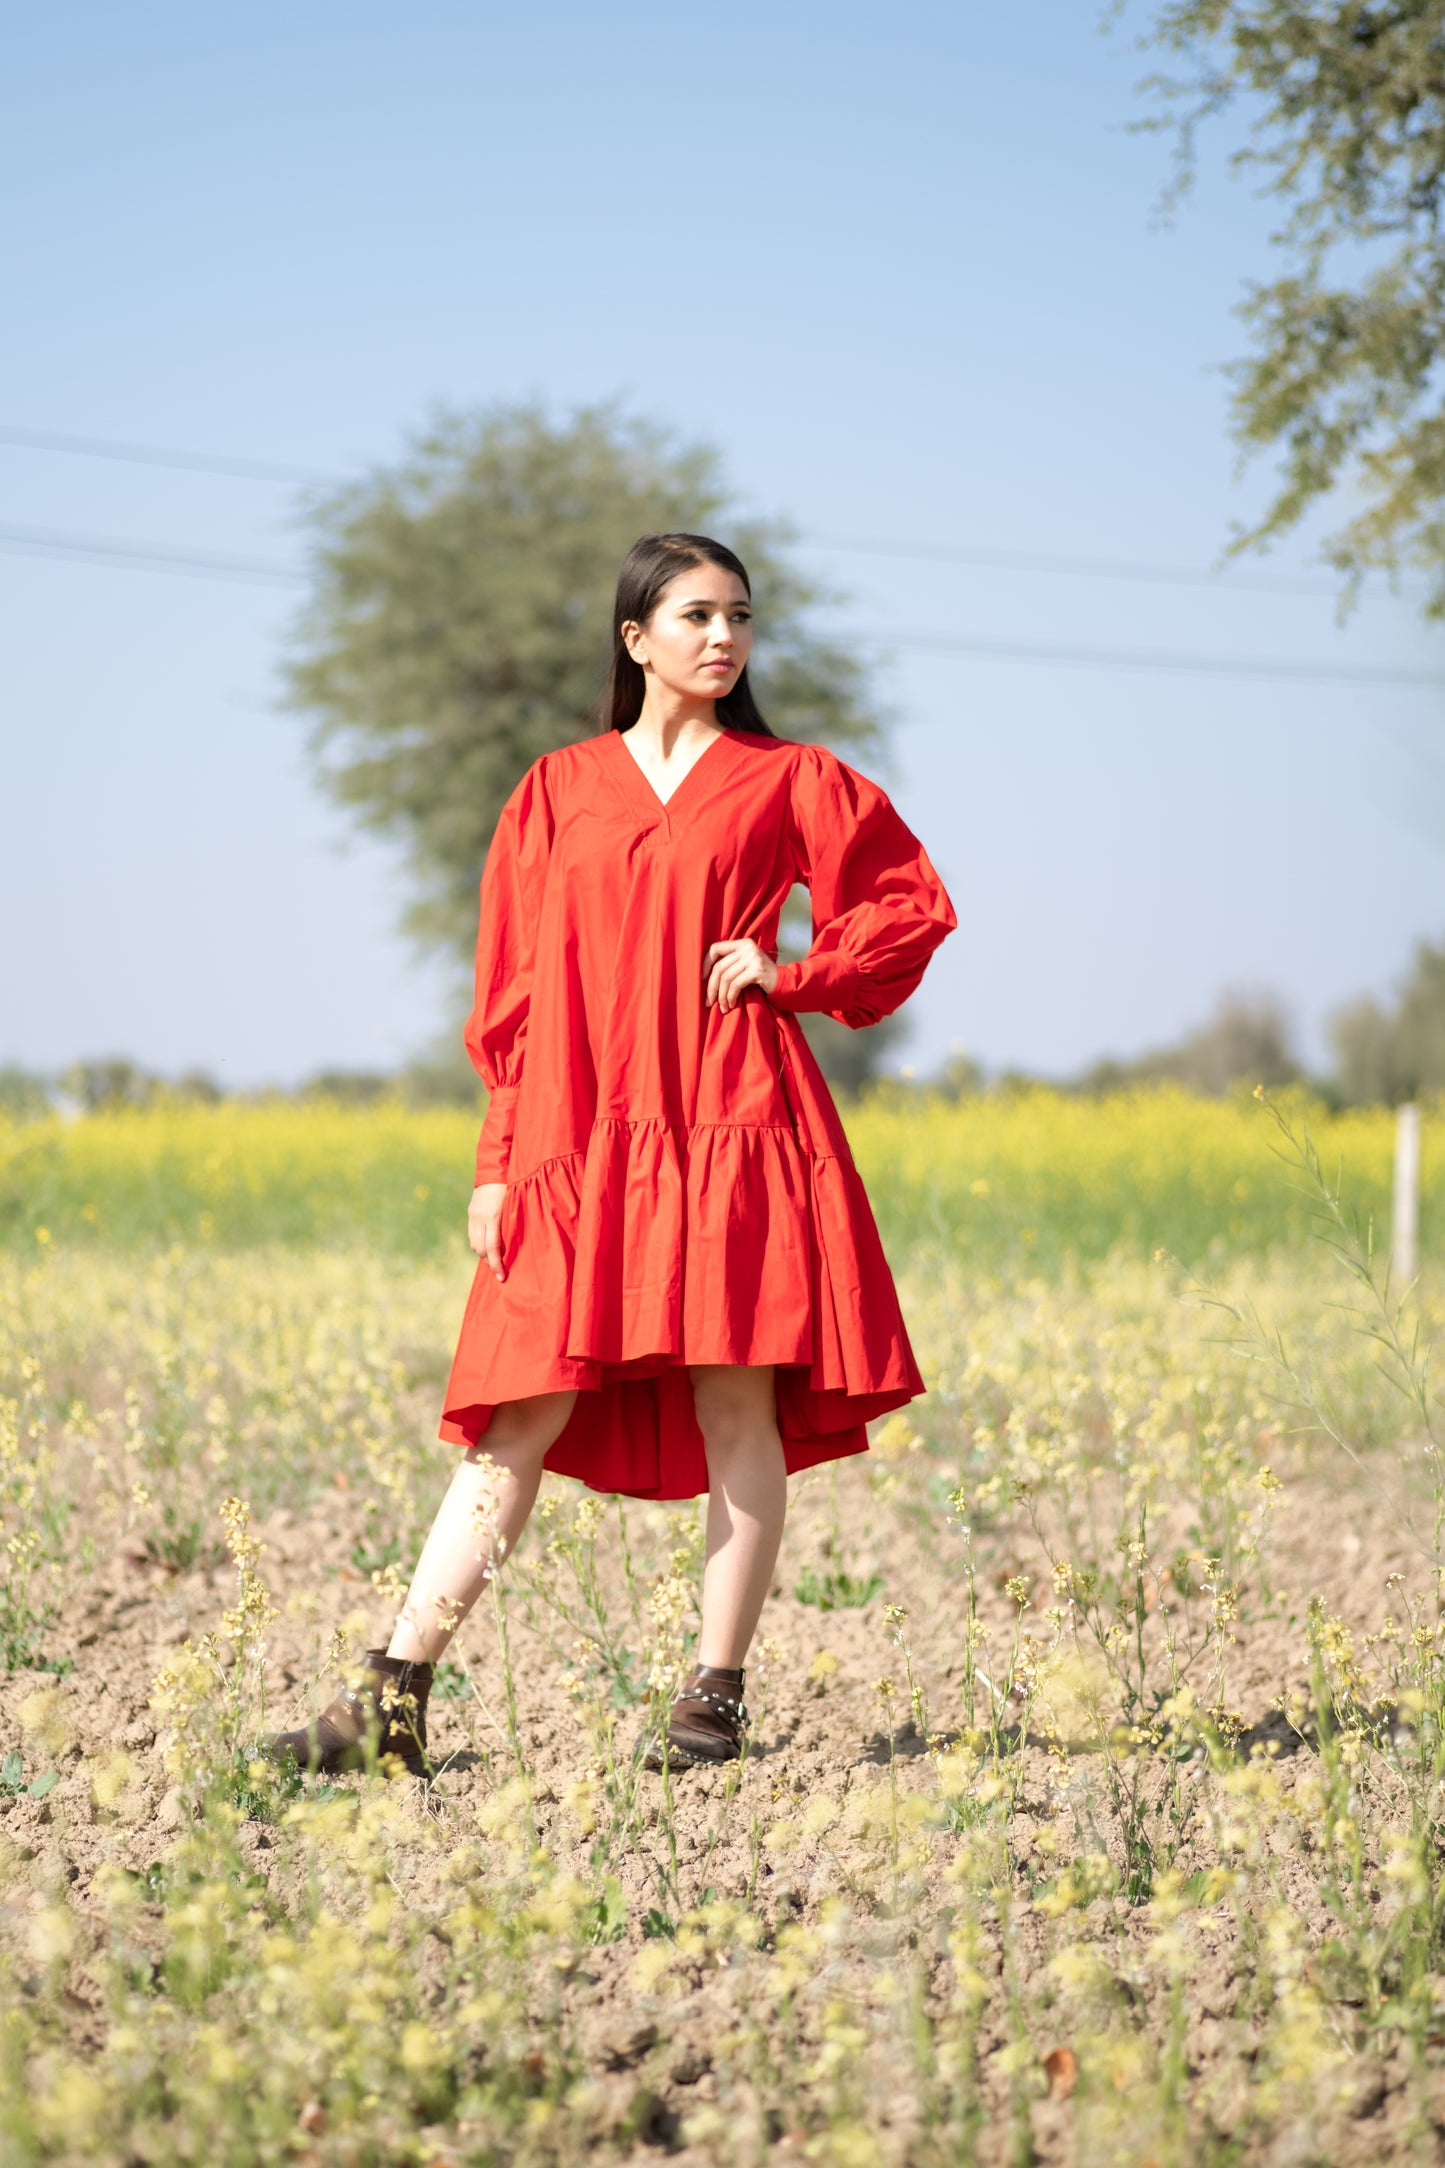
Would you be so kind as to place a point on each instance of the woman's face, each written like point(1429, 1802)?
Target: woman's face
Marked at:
point(697, 640)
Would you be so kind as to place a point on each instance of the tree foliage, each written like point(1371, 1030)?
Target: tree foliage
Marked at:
point(1347, 106)
point(1247, 1039)
point(460, 626)
point(1395, 1053)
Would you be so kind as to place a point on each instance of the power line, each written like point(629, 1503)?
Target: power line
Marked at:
point(157, 455)
point(145, 556)
point(204, 564)
point(1106, 658)
point(922, 552)
point(1095, 568)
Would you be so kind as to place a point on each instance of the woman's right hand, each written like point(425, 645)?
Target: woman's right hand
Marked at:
point(484, 1224)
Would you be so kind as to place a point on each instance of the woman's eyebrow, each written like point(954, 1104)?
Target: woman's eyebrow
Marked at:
point(715, 602)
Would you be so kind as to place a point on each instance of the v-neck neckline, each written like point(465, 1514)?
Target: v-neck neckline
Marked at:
point(666, 805)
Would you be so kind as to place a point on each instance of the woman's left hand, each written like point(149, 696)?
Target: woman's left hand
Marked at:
point(729, 966)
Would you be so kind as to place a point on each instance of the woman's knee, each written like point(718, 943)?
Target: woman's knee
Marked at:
point(525, 1428)
point(734, 1404)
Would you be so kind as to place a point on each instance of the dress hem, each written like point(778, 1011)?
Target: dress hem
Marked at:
point(635, 1466)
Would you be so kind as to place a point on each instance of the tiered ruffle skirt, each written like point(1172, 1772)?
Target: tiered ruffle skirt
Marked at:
point(655, 1248)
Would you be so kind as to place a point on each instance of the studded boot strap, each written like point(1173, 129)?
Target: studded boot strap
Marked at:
point(393, 1694)
point(710, 1701)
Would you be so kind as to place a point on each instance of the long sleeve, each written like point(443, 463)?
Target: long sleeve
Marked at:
point(495, 1034)
point(879, 907)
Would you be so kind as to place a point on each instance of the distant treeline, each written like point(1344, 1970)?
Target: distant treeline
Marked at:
point(1383, 1054)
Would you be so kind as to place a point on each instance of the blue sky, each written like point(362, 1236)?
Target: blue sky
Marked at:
point(899, 266)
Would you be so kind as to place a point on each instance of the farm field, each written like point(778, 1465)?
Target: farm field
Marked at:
point(1093, 1807)
point(1006, 1181)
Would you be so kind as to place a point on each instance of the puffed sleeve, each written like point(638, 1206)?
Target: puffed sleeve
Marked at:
point(879, 908)
point(495, 1033)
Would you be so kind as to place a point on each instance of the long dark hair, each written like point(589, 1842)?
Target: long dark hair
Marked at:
point(649, 566)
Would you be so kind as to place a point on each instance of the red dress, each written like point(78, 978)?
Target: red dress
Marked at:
point(679, 1186)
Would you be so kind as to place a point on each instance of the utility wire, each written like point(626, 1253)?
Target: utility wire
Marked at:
point(145, 556)
point(156, 455)
point(991, 560)
point(1094, 568)
point(1112, 658)
point(207, 565)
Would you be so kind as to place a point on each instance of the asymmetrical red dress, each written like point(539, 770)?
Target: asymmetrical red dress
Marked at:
point(679, 1185)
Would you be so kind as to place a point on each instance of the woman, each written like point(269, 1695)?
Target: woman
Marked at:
point(681, 1286)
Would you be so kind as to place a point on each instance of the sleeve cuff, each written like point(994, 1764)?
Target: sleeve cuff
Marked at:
point(494, 1145)
point(815, 982)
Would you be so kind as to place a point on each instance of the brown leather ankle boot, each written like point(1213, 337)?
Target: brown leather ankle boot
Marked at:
point(707, 1722)
point(384, 1714)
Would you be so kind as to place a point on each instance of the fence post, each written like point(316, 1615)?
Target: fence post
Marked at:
point(1405, 1217)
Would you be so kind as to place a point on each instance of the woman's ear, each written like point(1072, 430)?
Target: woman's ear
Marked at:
point(633, 639)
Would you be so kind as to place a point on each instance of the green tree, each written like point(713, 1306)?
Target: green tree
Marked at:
point(108, 1081)
point(1395, 1054)
point(1346, 101)
point(24, 1093)
point(1246, 1040)
point(460, 626)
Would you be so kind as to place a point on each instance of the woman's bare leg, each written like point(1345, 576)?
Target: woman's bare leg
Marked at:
point(481, 1517)
point(747, 1501)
